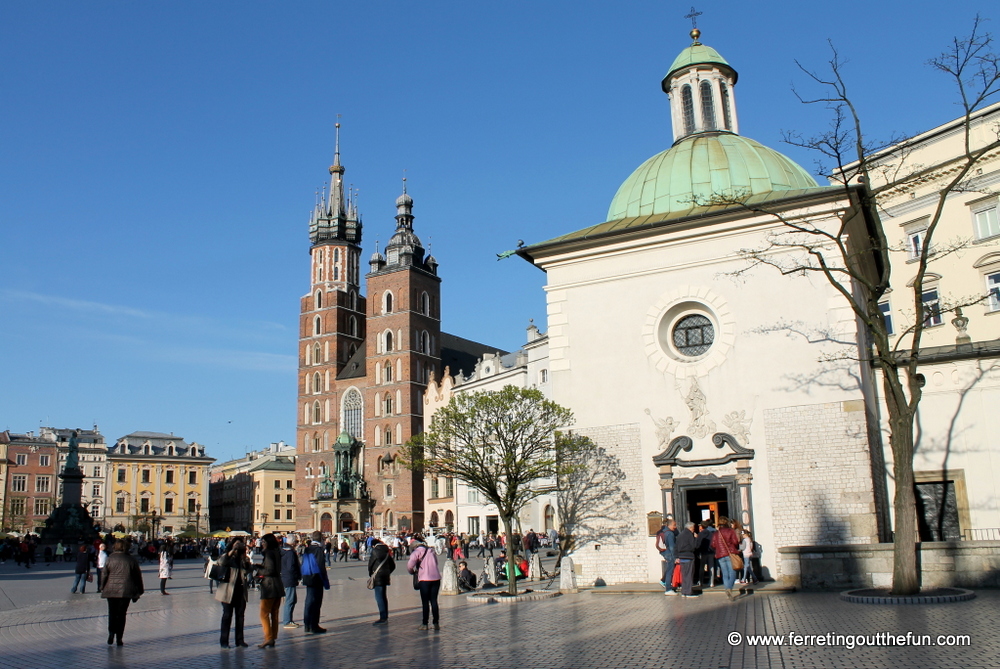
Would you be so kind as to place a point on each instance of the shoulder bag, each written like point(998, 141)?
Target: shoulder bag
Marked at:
point(371, 579)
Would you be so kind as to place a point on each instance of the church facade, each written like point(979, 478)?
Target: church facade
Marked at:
point(366, 354)
point(713, 398)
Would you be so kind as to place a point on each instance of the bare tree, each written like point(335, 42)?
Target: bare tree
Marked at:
point(501, 443)
point(855, 257)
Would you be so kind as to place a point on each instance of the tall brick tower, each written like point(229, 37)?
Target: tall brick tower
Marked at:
point(331, 331)
point(404, 353)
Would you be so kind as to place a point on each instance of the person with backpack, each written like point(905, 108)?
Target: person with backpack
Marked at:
point(666, 544)
point(380, 567)
point(315, 580)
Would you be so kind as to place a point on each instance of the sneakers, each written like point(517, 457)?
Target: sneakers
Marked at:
point(422, 628)
point(729, 594)
point(380, 622)
point(290, 626)
point(663, 583)
point(690, 596)
point(670, 593)
point(437, 628)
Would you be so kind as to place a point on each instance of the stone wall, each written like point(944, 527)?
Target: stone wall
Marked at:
point(620, 555)
point(820, 475)
point(964, 564)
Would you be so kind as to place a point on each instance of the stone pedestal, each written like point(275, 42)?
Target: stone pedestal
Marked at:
point(449, 578)
point(567, 578)
point(535, 568)
point(70, 522)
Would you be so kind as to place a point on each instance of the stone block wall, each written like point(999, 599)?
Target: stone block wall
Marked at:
point(820, 475)
point(962, 564)
point(622, 555)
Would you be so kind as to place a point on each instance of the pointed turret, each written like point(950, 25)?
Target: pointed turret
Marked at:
point(336, 218)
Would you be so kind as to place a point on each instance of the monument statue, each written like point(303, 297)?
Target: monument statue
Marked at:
point(73, 455)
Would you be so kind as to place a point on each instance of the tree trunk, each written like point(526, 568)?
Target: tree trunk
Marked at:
point(905, 573)
point(509, 565)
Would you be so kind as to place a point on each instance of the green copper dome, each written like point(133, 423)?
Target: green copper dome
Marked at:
point(701, 166)
point(697, 54)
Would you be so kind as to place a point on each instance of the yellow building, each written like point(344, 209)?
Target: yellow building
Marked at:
point(158, 484)
point(273, 479)
point(255, 493)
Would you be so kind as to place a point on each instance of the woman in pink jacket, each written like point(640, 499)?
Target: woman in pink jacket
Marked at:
point(423, 564)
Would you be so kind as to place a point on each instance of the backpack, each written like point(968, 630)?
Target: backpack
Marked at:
point(758, 550)
point(309, 566)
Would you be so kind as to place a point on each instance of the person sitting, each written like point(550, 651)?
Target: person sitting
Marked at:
point(501, 566)
point(466, 579)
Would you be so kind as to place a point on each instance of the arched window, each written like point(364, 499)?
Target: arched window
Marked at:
point(316, 442)
point(387, 405)
point(707, 106)
point(687, 103)
point(354, 301)
point(425, 342)
point(352, 324)
point(388, 490)
point(388, 520)
point(388, 437)
point(388, 342)
point(336, 255)
point(425, 304)
point(727, 114)
point(317, 355)
point(378, 464)
point(353, 413)
point(319, 300)
point(317, 383)
point(352, 349)
point(317, 413)
point(388, 303)
point(434, 518)
point(387, 372)
point(336, 273)
point(318, 326)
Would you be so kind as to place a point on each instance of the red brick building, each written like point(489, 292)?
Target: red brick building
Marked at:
point(32, 485)
point(364, 363)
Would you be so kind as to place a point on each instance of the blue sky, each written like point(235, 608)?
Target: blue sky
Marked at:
point(159, 161)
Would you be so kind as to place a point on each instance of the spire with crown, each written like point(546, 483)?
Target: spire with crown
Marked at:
point(404, 247)
point(335, 217)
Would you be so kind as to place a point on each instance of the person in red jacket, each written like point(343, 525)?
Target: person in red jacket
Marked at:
point(724, 543)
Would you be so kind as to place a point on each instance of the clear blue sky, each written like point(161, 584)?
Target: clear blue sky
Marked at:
point(158, 161)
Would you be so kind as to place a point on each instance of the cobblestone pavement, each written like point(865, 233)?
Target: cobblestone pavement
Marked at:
point(51, 628)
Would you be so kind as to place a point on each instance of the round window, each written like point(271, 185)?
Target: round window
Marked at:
point(693, 335)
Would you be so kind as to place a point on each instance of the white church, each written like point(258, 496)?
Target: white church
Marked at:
point(714, 397)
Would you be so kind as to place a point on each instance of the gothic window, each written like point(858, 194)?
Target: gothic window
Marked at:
point(354, 301)
point(319, 299)
point(425, 304)
point(388, 342)
point(424, 346)
point(317, 383)
point(727, 114)
point(687, 102)
point(318, 326)
point(388, 490)
point(388, 303)
point(336, 274)
point(707, 106)
point(387, 374)
point(317, 355)
point(693, 335)
point(353, 326)
point(387, 405)
point(353, 413)
point(388, 437)
point(317, 413)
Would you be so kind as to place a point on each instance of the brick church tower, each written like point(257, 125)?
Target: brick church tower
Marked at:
point(404, 353)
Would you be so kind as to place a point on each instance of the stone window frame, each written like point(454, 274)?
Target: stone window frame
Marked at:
point(671, 306)
point(956, 477)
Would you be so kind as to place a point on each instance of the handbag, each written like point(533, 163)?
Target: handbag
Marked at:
point(675, 580)
point(416, 571)
point(90, 577)
point(736, 560)
point(218, 573)
point(371, 579)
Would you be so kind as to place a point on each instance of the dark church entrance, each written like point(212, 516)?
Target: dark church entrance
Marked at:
point(706, 505)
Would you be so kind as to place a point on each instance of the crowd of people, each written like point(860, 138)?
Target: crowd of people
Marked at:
point(706, 554)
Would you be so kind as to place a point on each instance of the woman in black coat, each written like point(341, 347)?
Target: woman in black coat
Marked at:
point(271, 589)
point(121, 583)
point(380, 566)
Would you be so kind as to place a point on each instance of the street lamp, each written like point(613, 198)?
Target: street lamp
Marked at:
point(263, 521)
point(197, 526)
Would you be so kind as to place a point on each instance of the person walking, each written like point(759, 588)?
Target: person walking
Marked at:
point(684, 548)
point(82, 570)
point(121, 584)
point(291, 574)
point(271, 589)
point(316, 581)
point(166, 564)
point(380, 566)
point(725, 543)
point(423, 563)
point(232, 593)
point(666, 540)
point(747, 549)
point(102, 561)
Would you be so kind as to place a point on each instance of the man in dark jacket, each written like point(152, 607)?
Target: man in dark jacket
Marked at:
point(666, 545)
point(380, 566)
point(291, 574)
point(315, 583)
point(82, 569)
point(686, 546)
point(121, 583)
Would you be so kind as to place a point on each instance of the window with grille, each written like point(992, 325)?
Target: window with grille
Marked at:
point(687, 103)
point(352, 413)
point(693, 335)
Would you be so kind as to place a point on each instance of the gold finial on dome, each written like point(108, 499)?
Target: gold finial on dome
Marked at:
point(695, 33)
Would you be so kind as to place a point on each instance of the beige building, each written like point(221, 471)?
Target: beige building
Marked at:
point(957, 465)
point(158, 484)
point(93, 459)
point(255, 493)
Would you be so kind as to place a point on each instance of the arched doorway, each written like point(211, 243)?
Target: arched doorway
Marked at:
point(449, 520)
point(347, 523)
point(550, 517)
point(388, 521)
point(434, 518)
point(326, 523)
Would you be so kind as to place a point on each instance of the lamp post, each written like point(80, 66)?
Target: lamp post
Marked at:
point(263, 521)
point(197, 526)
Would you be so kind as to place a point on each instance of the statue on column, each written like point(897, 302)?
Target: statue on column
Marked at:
point(73, 456)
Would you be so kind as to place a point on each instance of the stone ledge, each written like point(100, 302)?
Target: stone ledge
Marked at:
point(936, 596)
point(497, 598)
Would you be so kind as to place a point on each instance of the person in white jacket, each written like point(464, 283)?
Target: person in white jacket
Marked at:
point(166, 565)
point(102, 560)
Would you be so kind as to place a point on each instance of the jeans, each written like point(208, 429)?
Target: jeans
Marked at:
point(728, 573)
point(668, 569)
point(81, 581)
point(291, 599)
point(429, 599)
point(382, 599)
point(748, 570)
point(99, 570)
point(117, 613)
point(239, 607)
point(314, 602)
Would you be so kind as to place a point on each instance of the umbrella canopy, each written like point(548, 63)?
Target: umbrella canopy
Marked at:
point(119, 535)
point(219, 533)
point(239, 533)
